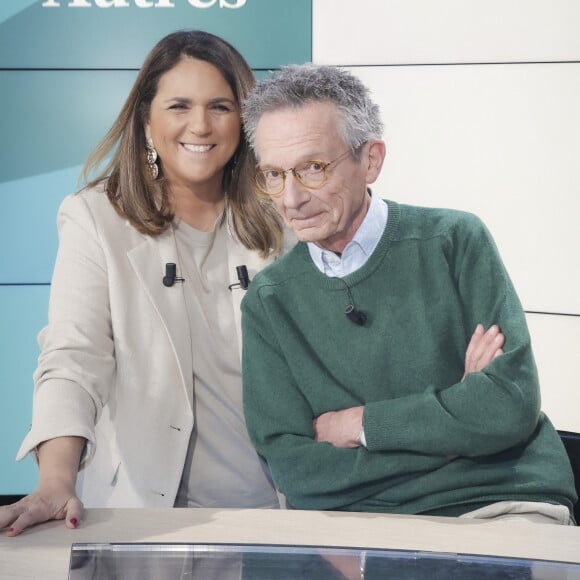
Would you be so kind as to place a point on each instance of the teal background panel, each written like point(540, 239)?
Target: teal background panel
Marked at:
point(9, 8)
point(55, 118)
point(267, 32)
point(28, 236)
point(23, 312)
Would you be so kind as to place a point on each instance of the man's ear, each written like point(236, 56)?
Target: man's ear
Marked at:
point(377, 151)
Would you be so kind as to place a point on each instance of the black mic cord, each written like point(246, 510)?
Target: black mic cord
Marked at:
point(355, 315)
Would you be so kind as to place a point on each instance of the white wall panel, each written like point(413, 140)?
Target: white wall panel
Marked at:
point(352, 32)
point(502, 141)
point(556, 344)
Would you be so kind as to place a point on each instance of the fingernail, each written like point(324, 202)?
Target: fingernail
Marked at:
point(11, 530)
point(74, 522)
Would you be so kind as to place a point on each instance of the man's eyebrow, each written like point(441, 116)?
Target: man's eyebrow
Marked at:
point(303, 159)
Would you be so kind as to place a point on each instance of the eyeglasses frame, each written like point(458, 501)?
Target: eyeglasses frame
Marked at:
point(324, 164)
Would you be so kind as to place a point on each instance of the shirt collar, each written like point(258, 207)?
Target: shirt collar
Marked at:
point(365, 240)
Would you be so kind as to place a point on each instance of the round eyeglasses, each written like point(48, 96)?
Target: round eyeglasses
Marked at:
point(311, 174)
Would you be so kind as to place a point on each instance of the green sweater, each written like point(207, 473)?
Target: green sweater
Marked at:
point(434, 275)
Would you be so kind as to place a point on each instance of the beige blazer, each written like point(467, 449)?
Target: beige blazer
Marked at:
point(115, 364)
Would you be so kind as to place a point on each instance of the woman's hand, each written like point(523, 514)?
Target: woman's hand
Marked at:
point(50, 501)
point(55, 497)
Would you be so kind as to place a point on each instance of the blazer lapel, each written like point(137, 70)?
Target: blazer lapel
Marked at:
point(148, 260)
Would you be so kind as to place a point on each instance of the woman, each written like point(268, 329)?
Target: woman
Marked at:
point(137, 396)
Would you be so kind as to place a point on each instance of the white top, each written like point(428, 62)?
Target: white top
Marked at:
point(222, 468)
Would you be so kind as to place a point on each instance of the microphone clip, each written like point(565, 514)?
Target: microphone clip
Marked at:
point(243, 278)
point(355, 315)
point(171, 275)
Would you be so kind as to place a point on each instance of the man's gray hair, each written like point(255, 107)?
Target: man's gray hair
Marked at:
point(294, 86)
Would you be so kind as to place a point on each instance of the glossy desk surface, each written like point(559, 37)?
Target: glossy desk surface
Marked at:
point(44, 551)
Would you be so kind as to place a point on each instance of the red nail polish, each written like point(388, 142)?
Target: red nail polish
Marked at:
point(74, 522)
point(11, 530)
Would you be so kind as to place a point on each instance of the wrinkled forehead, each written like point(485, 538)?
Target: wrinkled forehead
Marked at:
point(294, 134)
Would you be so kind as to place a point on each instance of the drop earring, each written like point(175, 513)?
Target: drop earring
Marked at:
point(151, 159)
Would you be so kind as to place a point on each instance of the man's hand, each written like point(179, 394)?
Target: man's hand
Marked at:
point(483, 348)
point(340, 428)
point(343, 428)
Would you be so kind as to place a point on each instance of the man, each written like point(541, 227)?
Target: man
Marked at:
point(355, 387)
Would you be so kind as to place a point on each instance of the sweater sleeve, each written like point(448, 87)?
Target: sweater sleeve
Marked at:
point(312, 475)
point(491, 410)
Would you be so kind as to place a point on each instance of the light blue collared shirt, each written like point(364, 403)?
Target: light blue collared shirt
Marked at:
point(359, 249)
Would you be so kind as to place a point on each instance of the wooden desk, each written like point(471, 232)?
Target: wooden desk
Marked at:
point(44, 552)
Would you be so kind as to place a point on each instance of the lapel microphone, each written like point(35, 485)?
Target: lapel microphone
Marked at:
point(171, 275)
point(243, 278)
point(355, 315)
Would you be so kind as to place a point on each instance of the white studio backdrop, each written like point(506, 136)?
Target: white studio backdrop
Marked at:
point(480, 105)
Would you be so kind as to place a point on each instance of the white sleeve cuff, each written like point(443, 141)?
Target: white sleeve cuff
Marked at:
point(361, 437)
